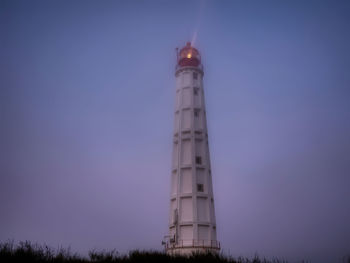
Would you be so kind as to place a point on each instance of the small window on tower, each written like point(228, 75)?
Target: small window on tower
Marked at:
point(200, 188)
point(196, 113)
point(195, 91)
point(198, 160)
point(195, 75)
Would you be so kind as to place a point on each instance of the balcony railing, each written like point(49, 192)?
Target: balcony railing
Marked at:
point(200, 66)
point(192, 243)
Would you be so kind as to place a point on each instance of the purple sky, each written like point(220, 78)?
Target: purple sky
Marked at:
point(87, 90)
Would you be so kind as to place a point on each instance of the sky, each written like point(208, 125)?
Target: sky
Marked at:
point(87, 92)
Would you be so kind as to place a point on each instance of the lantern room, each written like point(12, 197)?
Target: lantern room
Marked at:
point(188, 56)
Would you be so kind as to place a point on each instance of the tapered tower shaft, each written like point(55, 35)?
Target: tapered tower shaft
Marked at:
point(192, 226)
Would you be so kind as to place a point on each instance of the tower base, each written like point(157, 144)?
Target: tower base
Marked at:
point(190, 249)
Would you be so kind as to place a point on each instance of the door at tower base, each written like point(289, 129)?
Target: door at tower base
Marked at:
point(192, 224)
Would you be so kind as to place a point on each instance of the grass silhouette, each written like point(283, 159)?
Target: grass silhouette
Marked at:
point(29, 252)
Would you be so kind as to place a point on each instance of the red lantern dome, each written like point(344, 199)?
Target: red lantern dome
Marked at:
point(188, 56)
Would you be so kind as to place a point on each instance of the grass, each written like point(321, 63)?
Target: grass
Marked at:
point(28, 252)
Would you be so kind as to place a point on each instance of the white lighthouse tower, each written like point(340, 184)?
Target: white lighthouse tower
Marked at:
point(192, 226)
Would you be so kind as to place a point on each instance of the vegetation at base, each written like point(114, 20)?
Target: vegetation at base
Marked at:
point(28, 252)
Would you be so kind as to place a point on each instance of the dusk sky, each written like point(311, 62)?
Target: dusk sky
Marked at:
point(87, 91)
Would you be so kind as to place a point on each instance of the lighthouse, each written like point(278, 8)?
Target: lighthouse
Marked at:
point(192, 226)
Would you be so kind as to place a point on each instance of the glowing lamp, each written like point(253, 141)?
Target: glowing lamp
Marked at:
point(188, 56)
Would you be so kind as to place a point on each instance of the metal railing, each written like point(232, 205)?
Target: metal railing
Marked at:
point(186, 243)
point(200, 66)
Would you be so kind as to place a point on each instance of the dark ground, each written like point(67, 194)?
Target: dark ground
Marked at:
point(28, 252)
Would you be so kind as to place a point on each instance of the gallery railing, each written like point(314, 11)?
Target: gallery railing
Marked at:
point(193, 243)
